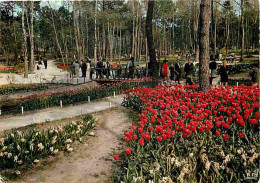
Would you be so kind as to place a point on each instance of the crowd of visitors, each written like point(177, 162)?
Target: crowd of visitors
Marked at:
point(172, 72)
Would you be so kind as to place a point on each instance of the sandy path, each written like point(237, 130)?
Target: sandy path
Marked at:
point(91, 161)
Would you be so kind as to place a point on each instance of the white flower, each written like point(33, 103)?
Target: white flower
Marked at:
point(23, 140)
point(18, 148)
point(150, 181)
point(191, 154)
point(31, 146)
point(70, 149)
point(151, 172)
point(15, 158)
point(68, 141)
point(1, 154)
point(172, 160)
point(5, 153)
point(80, 139)
point(207, 165)
point(17, 172)
point(20, 162)
point(4, 148)
point(51, 149)
point(40, 146)
point(36, 161)
point(26, 152)
point(9, 155)
point(56, 151)
point(12, 135)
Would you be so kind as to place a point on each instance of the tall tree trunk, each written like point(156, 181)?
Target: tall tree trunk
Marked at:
point(204, 44)
point(95, 46)
point(133, 43)
point(212, 28)
point(153, 67)
point(242, 31)
point(31, 39)
point(75, 30)
point(56, 35)
point(120, 42)
point(24, 45)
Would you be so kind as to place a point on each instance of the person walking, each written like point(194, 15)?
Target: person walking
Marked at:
point(254, 76)
point(76, 65)
point(45, 63)
point(177, 72)
point(213, 68)
point(72, 70)
point(131, 67)
point(84, 69)
point(188, 68)
point(223, 74)
point(165, 69)
point(172, 73)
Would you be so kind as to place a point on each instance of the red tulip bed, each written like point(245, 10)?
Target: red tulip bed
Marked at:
point(182, 134)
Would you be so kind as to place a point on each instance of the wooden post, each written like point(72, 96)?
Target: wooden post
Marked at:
point(22, 110)
point(89, 99)
point(60, 103)
point(114, 94)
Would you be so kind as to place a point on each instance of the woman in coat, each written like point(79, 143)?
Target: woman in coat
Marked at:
point(223, 74)
point(165, 69)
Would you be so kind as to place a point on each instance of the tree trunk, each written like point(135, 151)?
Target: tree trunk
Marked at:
point(95, 45)
point(56, 36)
point(120, 42)
point(242, 31)
point(31, 40)
point(204, 44)
point(153, 67)
point(24, 45)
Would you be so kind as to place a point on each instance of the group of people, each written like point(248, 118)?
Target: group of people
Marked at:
point(75, 68)
point(173, 72)
point(40, 60)
point(104, 68)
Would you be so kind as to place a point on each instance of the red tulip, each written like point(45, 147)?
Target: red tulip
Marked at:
point(141, 141)
point(128, 151)
point(159, 138)
point(225, 137)
point(116, 157)
point(241, 134)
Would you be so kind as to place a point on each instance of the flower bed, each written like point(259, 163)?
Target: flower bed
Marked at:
point(45, 100)
point(19, 148)
point(186, 135)
point(238, 68)
point(14, 88)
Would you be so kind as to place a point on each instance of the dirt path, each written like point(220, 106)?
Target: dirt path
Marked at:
point(90, 161)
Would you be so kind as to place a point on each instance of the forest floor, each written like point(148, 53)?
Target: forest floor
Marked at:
point(91, 161)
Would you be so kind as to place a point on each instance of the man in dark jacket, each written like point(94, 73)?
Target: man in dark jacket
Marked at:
point(177, 71)
point(84, 69)
point(188, 68)
point(131, 67)
point(45, 63)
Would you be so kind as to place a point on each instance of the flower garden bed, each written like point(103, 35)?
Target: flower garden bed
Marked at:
point(45, 100)
point(26, 147)
point(14, 88)
point(186, 135)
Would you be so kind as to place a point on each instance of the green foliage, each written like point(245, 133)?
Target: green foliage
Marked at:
point(26, 147)
point(14, 88)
